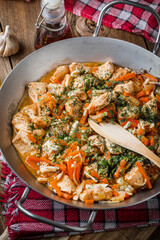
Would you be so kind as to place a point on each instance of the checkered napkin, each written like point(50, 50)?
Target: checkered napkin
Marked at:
point(22, 227)
point(120, 16)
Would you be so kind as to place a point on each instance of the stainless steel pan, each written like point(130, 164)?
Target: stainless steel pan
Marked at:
point(86, 49)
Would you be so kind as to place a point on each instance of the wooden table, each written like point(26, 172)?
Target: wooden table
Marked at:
point(21, 16)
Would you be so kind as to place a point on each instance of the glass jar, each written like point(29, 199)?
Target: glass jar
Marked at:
point(53, 26)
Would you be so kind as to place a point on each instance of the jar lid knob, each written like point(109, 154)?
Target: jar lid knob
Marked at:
point(52, 4)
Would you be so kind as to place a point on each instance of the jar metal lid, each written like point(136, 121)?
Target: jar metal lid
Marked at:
point(52, 4)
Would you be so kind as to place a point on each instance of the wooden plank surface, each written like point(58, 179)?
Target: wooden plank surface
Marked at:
point(21, 16)
point(5, 66)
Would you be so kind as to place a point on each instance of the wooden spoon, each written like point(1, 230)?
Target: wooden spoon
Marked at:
point(120, 136)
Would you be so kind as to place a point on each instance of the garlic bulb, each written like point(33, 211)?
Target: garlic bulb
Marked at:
point(8, 43)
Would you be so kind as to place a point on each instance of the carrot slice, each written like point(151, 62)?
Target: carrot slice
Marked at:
point(125, 77)
point(134, 122)
point(108, 84)
point(110, 110)
point(39, 159)
point(120, 168)
point(83, 128)
point(56, 80)
point(142, 171)
point(88, 182)
point(95, 174)
point(152, 78)
point(33, 159)
point(61, 166)
point(78, 171)
point(104, 180)
point(99, 120)
point(98, 176)
point(84, 117)
point(89, 201)
point(32, 138)
point(53, 184)
point(140, 131)
point(62, 142)
point(152, 141)
point(67, 196)
point(70, 168)
point(140, 78)
point(144, 99)
point(48, 98)
point(94, 69)
point(115, 193)
point(32, 165)
point(74, 164)
point(140, 94)
point(114, 186)
point(89, 92)
point(86, 105)
point(52, 105)
point(77, 135)
point(126, 94)
point(77, 152)
point(126, 195)
point(61, 107)
point(145, 141)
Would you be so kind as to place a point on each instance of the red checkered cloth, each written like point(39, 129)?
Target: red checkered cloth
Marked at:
point(120, 16)
point(23, 227)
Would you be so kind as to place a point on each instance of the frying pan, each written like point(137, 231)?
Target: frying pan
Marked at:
point(84, 49)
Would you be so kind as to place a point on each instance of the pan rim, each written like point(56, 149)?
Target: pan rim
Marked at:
point(74, 39)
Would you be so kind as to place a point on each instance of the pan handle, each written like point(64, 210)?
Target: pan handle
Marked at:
point(51, 222)
point(139, 5)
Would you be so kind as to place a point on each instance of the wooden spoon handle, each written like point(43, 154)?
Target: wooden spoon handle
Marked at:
point(137, 146)
point(125, 139)
point(150, 155)
point(120, 136)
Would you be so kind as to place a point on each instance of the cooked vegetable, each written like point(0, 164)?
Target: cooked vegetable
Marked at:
point(141, 94)
point(125, 77)
point(142, 171)
point(150, 77)
point(120, 168)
